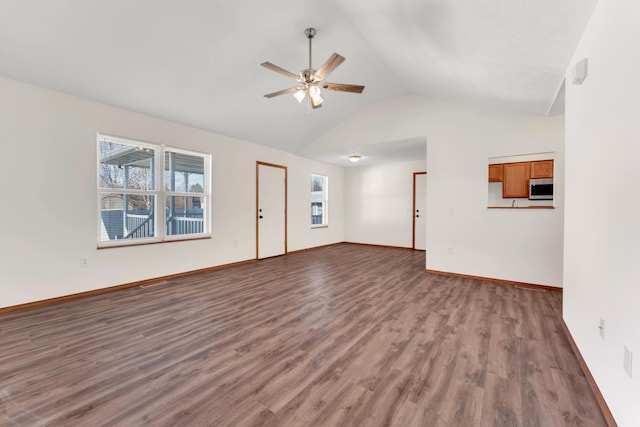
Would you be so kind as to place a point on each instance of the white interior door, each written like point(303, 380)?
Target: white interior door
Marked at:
point(271, 211)
point(419, 211)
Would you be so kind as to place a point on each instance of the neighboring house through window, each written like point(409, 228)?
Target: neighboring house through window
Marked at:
point(151, 193)
point(319, 196)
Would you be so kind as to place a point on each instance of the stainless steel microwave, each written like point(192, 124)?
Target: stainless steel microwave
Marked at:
point(541, 189)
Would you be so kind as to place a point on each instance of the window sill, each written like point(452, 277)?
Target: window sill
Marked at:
point(319, 226)
point(155, 242)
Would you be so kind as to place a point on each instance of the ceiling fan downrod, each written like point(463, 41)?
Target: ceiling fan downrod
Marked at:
point(310, 32)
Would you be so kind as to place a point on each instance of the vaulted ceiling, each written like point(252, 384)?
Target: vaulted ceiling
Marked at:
point(197, 62)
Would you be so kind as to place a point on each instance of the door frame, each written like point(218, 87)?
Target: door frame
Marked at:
point(286, 191)
point(413, 212)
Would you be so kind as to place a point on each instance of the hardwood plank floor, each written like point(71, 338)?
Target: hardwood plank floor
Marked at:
point(342, 335)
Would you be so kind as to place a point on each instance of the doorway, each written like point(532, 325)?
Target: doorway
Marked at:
point(271, 210)
point(419, 211)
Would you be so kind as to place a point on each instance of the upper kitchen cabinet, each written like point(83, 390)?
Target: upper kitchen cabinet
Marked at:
point(496, 173)
point(515, 182)
point(542, 169)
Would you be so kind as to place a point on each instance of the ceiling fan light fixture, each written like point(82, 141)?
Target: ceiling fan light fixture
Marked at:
point(299, 95)
point(314, 91)
point(354, 158)
point(314, 94)
point(317, 99)
point(315, 102)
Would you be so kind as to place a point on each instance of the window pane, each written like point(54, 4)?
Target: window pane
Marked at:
point(125, 166)
point(317, 183)
point(183, 172)
point(126, 216)
point(317, 213)
point(185, 215)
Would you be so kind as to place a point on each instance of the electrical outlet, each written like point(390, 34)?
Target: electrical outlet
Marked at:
point(450, 212)
point(628, 359)
point(84, 261)
point(601, 328)
point(450, 250)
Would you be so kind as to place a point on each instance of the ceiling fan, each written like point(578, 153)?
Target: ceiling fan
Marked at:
point(311, 80)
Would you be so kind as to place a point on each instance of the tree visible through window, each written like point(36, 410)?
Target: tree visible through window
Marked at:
point(131, 175)
point(319, 191)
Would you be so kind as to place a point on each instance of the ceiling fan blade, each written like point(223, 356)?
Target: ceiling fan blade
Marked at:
point(326, 69)
point(281, 92)
point(343, 87)
point(280, 70)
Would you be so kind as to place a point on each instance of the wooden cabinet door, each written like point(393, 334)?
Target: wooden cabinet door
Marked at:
point(515, 182)
point(495, 173)
point(542, 169)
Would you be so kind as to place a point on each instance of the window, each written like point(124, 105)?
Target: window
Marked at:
point(319, 195)
point(136, 180)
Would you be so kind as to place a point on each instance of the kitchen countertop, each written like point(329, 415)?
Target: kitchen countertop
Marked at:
point(520, 207)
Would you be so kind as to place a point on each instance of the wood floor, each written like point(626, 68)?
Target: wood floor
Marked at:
point(343, 335)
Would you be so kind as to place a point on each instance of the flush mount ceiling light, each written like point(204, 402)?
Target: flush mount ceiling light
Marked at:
point(311, 79)
point(354, 158)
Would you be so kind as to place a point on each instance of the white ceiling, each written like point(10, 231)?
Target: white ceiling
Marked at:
point(375, 153)
point(198, 62)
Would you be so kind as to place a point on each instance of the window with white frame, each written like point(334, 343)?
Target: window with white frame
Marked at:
point(319, 197)
point(150, 193)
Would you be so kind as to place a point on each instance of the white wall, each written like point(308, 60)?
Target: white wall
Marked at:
point(49, 198)
point(602, 224)
point(379, 203)
point(521, 245)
